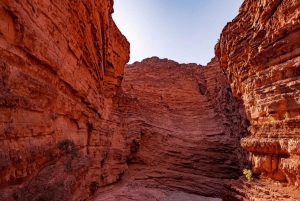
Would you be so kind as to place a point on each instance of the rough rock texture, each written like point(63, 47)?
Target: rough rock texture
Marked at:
point(68, 128)
point(184, 126)
point(128, 191)
point(60, 65)
point(260, 53)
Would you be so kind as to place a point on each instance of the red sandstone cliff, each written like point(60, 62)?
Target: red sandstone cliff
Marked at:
point(184, 127)
point(67, 128)
point(60, 64)
point(260, 53)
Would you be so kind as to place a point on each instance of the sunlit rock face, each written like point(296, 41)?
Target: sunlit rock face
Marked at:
point(60, 65)
point(70, 127)
point(184, 126)
point(260, 54)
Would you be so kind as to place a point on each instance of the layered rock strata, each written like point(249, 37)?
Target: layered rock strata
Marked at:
point(260, 53)
point(184, 126)
point(60, 65)
point(127, 191)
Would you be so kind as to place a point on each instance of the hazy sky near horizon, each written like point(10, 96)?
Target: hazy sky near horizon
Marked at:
point(185, 31)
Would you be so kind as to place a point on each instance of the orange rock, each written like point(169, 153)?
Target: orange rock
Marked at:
point(68, 127)
point(60, 65)
point(259, 51)
point(184, 126)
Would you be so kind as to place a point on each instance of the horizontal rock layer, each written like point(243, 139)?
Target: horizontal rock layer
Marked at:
point(259, 189)
point(184, 126)
point(60, 65)
point(128, 190)
point(260, 53)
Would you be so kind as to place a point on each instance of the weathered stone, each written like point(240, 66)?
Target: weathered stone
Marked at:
point(184, 126)
point(259, 51)
point(60, 65)
point(69, 129)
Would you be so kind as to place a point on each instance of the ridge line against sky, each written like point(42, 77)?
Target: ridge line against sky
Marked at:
point(185, 31)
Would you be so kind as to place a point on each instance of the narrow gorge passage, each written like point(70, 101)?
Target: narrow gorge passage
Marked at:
point(69, 129)
point(184, 128)
point(75, 126)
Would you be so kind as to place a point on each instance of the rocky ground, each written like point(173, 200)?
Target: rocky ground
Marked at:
point(73, 124)
point(184, 126)
point(129, 189)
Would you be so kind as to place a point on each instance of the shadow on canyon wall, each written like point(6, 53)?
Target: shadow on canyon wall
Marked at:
point(70, 125)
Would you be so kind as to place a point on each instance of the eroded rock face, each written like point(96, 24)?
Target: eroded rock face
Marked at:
point(184, 126)
point(60, 65)
point(260, 53)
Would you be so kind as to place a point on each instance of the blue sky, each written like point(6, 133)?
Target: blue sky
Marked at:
point(185, 31)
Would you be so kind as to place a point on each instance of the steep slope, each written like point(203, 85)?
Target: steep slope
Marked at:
point(68, 128)
point(184, 126)
point(60, 65)
point(260, 53)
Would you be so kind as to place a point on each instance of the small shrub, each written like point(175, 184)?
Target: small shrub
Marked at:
point(70, 151)
point(269, 116)
point(248, 174)
point(286, 115)
point(65, 145)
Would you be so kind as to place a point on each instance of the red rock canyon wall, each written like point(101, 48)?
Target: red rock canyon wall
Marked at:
point(60, 65)
point(68, 127)
point(260, 53)
point(184, 126)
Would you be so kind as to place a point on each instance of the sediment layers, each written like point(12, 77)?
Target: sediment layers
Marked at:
point(260, 53)
point(184, 126)
point(60, 65)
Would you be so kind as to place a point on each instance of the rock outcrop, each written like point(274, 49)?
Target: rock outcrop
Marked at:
point(61, 63)
point(68, 127)
point(260, 53)
point(184, 126)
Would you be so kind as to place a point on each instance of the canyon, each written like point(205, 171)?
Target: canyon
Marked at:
point(184, 127)
point(61, 64)
point(77, 123)
point(259, 51)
